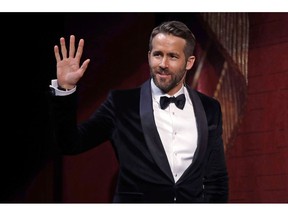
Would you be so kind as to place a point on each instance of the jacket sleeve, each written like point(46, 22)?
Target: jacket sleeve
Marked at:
point(215, 182)
point(73, 137)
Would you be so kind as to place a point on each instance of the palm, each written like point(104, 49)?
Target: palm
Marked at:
point(68, 71)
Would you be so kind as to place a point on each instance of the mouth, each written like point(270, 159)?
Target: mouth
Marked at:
point(163, 74)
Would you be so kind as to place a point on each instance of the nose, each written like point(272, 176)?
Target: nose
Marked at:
point(163, 63)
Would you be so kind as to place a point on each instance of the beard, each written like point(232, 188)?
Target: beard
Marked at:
point(167, 84)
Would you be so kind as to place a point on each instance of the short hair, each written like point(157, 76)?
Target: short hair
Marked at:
point(177, 29)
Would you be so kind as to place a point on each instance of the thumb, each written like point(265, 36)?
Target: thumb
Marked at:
point(84, 66)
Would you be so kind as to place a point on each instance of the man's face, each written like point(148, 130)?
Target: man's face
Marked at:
point(167, 62)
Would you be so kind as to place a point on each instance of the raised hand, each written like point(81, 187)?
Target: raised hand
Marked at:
point(68, 64)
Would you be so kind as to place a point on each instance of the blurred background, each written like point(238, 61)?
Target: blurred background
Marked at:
point(241, 61)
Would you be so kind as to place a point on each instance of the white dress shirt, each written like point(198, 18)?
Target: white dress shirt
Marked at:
point(177, 129)
point(58, 92)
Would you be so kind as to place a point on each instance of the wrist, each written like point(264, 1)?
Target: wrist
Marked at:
point(62, 88)
point(56, 91)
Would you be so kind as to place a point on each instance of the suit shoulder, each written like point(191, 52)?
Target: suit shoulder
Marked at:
point(208, 100)
point(205, 97)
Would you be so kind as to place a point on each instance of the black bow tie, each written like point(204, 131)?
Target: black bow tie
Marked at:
point(179, 101)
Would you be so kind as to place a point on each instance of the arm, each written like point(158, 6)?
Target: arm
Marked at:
point(216, 176)
point(63, 109)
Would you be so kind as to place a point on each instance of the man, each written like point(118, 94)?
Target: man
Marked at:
point(168, 150)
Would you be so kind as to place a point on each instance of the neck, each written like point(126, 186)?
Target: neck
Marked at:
point(175, 89)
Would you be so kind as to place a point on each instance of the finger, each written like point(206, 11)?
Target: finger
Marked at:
point(84, 66)
point(72, 46)
point(63, 47)
point(57, 54)
point(79, 50)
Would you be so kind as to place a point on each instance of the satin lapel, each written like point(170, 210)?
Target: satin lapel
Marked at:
point(202, 127)
point(150, 131)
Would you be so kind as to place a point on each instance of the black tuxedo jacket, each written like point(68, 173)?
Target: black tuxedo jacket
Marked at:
point(126, 119)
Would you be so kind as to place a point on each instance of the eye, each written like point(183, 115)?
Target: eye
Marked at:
point(174, 57)
point(155, 54)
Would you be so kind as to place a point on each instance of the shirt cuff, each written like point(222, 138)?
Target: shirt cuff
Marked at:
point(58, 92)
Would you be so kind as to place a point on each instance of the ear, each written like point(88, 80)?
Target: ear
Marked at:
point(190, 62)
point(149, 53)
